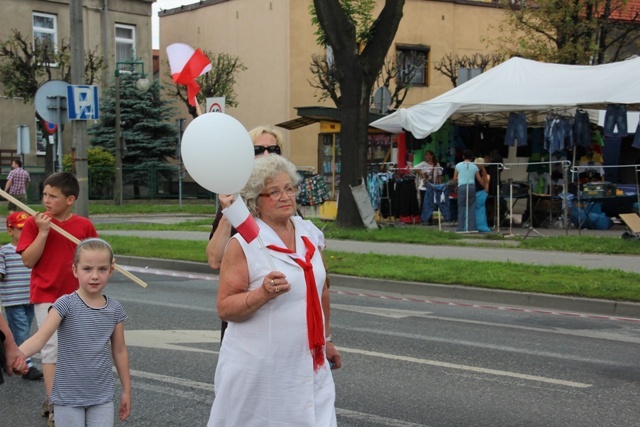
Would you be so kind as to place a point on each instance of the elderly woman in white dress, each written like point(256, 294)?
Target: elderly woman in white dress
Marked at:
point(275, 365)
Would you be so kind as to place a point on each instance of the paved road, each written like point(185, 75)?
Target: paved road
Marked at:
point(409, 361)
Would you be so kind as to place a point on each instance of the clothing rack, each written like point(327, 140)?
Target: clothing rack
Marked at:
point(380, 166)
point(566, 164)
point(386, 197)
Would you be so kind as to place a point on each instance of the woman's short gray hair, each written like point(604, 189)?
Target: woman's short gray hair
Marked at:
point(264, 169)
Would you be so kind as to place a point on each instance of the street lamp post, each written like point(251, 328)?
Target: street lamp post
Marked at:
point(143, 85)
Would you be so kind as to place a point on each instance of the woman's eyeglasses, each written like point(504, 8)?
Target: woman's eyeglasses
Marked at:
point(276, 193)
point(273, 149)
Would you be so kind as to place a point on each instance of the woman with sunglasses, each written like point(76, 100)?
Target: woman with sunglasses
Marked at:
point(265, 141)
point(274, 367)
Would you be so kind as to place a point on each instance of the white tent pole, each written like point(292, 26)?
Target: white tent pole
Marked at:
point(466, 218)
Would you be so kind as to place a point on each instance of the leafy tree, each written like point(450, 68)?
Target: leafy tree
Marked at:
point(25, 64)
point(569, 31)
point(217, 82)
point(325, 79)
point(325, 73)
point(101, 170)
point(359, 53)
point(145, 119)
point(450, 64)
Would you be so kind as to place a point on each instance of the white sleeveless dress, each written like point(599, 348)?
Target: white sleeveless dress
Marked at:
point(265, 375)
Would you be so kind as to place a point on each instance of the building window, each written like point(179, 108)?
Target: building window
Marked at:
point(413, 65)
point(125, 42)
point(45, 30)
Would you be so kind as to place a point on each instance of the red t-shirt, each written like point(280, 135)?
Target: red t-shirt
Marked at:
point(52, 276)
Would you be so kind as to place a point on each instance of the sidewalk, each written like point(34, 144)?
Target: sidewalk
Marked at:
point(487, 252)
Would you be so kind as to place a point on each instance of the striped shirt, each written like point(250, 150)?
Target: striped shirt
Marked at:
point(14, 289)
point(84, 371)
point(19, 179)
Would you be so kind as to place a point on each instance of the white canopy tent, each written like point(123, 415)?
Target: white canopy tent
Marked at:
point(522, 85)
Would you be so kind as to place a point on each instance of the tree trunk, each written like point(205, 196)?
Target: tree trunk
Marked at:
point(358, 64)
point(354, 116)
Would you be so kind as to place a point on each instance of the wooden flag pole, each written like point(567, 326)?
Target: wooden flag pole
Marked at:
point(66, 234)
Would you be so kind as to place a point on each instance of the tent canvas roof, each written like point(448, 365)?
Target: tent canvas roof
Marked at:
point(522, 85)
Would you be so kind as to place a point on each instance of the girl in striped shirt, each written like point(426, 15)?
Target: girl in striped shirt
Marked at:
point(90, 325)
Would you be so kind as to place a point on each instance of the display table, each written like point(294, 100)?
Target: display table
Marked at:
point(611, 206)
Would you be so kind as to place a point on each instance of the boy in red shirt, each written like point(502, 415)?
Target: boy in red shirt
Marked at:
point(50, 255)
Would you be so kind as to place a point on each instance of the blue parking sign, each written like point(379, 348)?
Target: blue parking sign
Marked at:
point(82, 102)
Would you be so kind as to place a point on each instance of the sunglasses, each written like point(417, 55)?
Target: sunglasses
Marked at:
point(273, 149)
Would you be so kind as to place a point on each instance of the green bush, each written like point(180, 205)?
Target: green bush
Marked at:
point(102, 169)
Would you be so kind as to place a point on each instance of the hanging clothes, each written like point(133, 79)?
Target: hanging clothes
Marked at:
point(615, 118)
point(582, 129)
point(516, 130)
point(312, 189)
point(558, 133)
point(435, 195)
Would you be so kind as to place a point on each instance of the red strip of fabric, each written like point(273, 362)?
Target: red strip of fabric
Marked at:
point(315, 328)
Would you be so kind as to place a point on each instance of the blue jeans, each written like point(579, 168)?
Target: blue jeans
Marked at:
point(435, 195)
point(557, 130)
point(516, 129)
point(582, 129)
point(19, 319)
point(616, 115)
point(467, 200)
point(481, 211)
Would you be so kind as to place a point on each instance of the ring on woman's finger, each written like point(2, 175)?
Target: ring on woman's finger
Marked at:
point(277, 290)
point(273, 283)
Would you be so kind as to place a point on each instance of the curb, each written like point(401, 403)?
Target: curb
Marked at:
point(433, 290)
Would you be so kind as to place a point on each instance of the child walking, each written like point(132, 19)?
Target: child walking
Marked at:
point(49, 255)
point(89, 325)
point(14, 289)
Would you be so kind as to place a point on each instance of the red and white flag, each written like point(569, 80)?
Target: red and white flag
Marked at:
point(239, 217)
point(186, 65)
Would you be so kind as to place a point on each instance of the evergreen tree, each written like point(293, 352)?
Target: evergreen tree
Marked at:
point(150, 138)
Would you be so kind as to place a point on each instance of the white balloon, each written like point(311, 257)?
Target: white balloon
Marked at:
point(218, 153)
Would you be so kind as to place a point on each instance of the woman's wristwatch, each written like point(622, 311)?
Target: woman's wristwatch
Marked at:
point(328, 339)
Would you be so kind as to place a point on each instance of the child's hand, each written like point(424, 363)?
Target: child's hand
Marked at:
point(125, 406)
point(20, 365)
point(43, 221)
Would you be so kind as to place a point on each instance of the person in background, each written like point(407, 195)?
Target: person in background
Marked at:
point(9, 352)
point(466, 172)
point(482, 188)
point(17, 184)
point(430, 174)
point(275, 358)
point(90, 326)
point(49, 254)
point(14, 289)
point(266, 141)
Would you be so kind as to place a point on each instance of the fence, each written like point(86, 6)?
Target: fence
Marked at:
point(156, 182)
